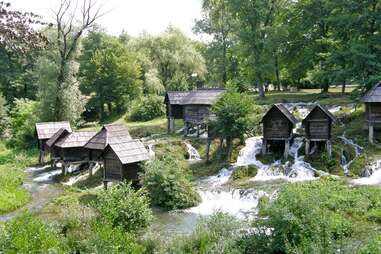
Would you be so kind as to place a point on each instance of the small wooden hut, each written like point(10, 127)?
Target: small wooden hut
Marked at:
point(122, 161)
point(278, 124)
point(71, 148)
point(372, 101)
point(55, 152)
point(45, 131)
point(318, 127)
point(109, 134)
point(192, 106)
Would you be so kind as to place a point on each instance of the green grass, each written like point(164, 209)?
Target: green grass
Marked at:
point(12, 165)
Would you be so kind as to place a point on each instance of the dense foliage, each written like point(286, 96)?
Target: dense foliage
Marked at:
point(147, 108)
point(168, 185)
point(122, 206)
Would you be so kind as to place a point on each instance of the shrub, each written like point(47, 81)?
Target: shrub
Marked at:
point(315, 217)
point(244, 172)
point(108, 239)
point(122, 206)
point(216, 234)
point(357, 167)
point(22, 123)
point(3, 116)
point(147, 108)
point(26, 234)
point(168, 186)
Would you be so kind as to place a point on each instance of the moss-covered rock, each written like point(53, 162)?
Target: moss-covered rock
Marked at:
point(244, 172)
point(358, 165)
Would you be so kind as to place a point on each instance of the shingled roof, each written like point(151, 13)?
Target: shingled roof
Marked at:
point(374, 94)
point(284, 111)
point(109, 134)
point(75, 139)
point(130, 152)
point(58, 135)
point(324, 110)
point(197, 97)
point(47, 129)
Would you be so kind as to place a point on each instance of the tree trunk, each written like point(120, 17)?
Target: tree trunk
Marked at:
point(209, 141)
point(277, 73)
point(261, 91)
point(224, 69)
point(343, 87)
point(109, 107)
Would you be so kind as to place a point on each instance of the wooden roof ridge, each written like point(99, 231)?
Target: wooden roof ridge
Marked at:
point(109, 134)
point(58, 135)
point(205, 96)
point(284, 111)
point(45, 130)
point(374, 94)
point(130, 151)
point(75, 139)
point(324, 110)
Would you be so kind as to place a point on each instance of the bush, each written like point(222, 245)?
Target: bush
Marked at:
point(358, 165)
point(22, 123)
point(147, 108)
point(168, 185)
point(216, 234)
point(122, 206)
point(29, 235)
point(315, 217)
point(3, 116)
point(244, 172)
point(108, 239)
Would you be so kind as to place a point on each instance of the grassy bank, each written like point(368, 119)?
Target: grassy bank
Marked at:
point(12, 165)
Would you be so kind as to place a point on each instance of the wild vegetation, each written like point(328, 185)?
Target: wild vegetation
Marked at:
point(307, 51)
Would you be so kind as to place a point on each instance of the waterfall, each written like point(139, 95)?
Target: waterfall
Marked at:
point(345, 164)
point(151, 151)
point(193, 153)
point(374, 177)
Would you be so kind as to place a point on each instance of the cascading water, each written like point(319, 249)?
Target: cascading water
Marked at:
point(151, 151)
point(345, 164)
point(193, 153)
point(374, 178)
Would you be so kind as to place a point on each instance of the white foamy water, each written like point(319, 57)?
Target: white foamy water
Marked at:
point(47, 176)
point(151, 151)
point(72, 180)
point(345, 164)
point(192, 152)
point(374, 178)
point(240, 203)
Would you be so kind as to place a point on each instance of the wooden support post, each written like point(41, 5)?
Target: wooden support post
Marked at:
point(286, 148)
point(198, 130)
point(64, 168)
point(91, 166)
point(371, 133)
point(264, 146)
point(208, 142)
point(329, 147)
point(41, 158)
point(105, 184)
point(307, 147)
point(186, 129)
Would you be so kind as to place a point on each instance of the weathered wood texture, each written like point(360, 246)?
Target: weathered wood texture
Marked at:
point(196, 114)
point(372, 100)
point(318, 124)
point(121, 161)
point(278, 123)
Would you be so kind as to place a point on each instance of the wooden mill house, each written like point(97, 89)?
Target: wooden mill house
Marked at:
point(318, 127)
point(372, 101)
point(278, 124)
point(122, 161)
point(44, 132)
point(191, 106)
point(71, 148)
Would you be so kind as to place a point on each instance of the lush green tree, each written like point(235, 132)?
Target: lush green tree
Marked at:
point(72, 101)
point(122, 206)
point(175, 58)
point(232, 117)
point(110, 73)
point(218, 22)
point(24, 116)
point(3, 116)
point(168, 185)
